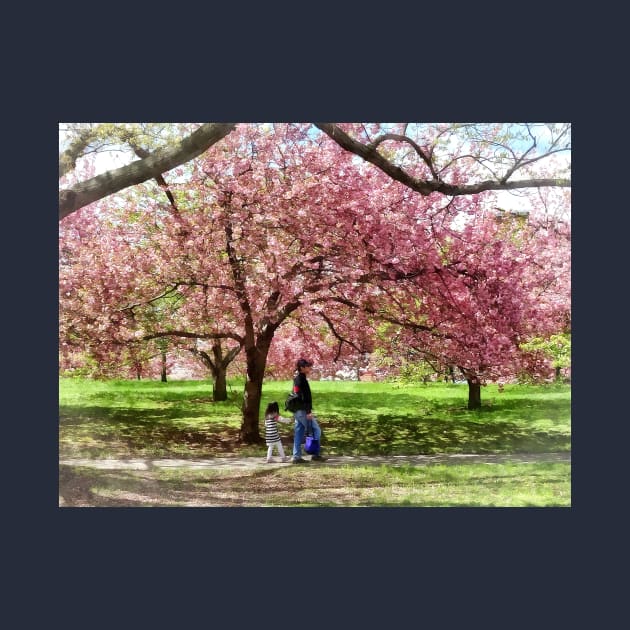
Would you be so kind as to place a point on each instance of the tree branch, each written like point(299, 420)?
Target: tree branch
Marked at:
point(427, 187)
point(193, 335)
point(338, 336)
point(159, 162)
point(417, 148)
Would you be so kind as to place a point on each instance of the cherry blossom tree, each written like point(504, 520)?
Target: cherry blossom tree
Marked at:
point(264, 225)
point(282, 210)
point(498, 284)
point(115, 307)
point(278, 227)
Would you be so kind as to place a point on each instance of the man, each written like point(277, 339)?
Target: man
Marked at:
point(303, 389)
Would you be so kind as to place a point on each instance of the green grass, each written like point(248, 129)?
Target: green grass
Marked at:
point(466, 485)
point(148, 419)
point(178, 419)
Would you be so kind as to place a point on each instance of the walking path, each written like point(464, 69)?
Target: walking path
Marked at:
point(333, 460)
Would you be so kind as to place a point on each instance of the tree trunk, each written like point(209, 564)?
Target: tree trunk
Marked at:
point(557, 373)
point(256, 363)
point(219, 384)
point(474, 393)
point(163, 375)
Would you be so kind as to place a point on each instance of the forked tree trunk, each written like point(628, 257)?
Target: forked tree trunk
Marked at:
point(218, 365)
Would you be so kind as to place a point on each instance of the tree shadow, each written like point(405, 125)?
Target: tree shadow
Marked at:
point(94, 430)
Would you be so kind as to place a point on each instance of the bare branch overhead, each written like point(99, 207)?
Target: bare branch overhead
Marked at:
point(158, 162)
point(427, 186)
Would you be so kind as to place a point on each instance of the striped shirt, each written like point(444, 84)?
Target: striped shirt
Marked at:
point(272, 434)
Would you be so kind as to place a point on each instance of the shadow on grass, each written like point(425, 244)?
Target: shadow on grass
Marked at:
point(364, 423)
point(160, 432)
point(392, 435)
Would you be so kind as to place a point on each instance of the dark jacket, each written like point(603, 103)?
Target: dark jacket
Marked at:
point(301, 387)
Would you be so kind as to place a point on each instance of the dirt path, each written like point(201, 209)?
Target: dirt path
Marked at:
point(242, 481)
point(338, 460)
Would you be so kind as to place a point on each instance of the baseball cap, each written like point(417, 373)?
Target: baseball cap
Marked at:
point(304, 363)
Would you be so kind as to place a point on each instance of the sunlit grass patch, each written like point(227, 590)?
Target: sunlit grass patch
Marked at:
point(148, 418)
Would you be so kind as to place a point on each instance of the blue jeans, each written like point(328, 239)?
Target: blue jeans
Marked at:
point(300, 430)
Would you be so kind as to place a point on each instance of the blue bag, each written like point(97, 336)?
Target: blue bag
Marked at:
point(311, 445)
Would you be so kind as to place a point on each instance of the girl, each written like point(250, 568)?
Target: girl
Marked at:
point(272, 436)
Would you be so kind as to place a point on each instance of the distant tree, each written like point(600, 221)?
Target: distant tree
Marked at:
point(557, 347)
point(217, 360)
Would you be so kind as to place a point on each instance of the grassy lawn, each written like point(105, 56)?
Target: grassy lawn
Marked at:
point(178, 419)
point(149, 419)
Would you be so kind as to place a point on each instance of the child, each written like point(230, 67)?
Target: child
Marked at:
point(272, 436)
